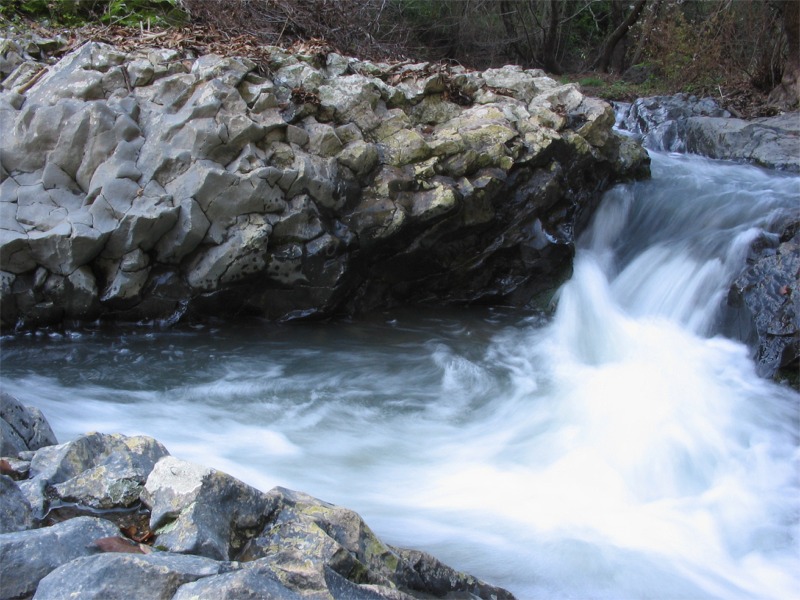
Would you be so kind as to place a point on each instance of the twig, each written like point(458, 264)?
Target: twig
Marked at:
point(31, 82)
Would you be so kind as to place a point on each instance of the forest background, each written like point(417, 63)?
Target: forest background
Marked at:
point(743, 53)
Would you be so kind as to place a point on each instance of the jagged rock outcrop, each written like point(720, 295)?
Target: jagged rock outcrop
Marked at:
point(684, 123)
point(179, 530)
point(766, 298)
point(149, 185)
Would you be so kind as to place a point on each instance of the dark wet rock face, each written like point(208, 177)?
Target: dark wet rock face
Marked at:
point(767, 297)
point(141, 523)
point(145, 186)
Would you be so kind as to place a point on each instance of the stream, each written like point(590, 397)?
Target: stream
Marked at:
point(622, 448)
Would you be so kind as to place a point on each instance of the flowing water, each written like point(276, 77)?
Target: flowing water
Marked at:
point(621, 449)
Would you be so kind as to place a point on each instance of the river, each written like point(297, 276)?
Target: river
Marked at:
point(621, 448)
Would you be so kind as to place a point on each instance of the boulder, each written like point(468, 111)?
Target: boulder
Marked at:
point(769, 142)
point(766, 297)
point(646, 114)
point(15, 509)
point(28, 556)
point(202, 511)
point(22, 427)
point(204, 534)
point(154, 186)
point(154, 576)
point(94, 471)
point(254, 581)
point(335, 548)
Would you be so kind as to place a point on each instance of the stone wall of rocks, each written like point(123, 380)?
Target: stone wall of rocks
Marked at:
point(110, 516)
point(152, 185)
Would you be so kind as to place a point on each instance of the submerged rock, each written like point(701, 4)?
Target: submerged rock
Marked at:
point(209, 535)
point(137, 186)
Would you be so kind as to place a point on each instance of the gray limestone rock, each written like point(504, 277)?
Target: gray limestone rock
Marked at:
point(15, 510)
point(22, 427)
point(254, 581)
point(683, 123)
point(255, 193)
point(336, 550)
point(645, 114)
point(28, 556)
point(287, 544)
point(769, 142)
point(97, 470)
point(198, 510)
point(121, 575)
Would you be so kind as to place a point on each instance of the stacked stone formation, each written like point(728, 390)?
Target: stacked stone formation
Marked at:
point(145, 185)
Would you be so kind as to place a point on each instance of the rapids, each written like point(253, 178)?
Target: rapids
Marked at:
point(623, 448)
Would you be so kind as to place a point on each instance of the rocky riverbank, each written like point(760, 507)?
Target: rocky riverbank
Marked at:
point(684, 123)
point(110, 516)
point(764, 301)
point(150, 185)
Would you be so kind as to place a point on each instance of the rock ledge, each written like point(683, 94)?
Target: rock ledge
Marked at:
point(153, 186)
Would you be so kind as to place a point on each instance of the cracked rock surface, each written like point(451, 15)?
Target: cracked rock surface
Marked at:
point(150, 186)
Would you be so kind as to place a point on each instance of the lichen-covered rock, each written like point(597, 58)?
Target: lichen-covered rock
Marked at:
point(22, 427)
point(253, 581)
point(28, 556)
point(199, 510)
point(121, 575)
point(117, 169)
point(316, 538)
point(97, 471)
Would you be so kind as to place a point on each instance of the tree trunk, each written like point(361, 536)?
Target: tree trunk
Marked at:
point(608, 48)
point(787, 94)
point(647, 30)
point(549, 58)
point(506, 12)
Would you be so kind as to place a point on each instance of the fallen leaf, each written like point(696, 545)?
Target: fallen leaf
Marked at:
point(120, 544)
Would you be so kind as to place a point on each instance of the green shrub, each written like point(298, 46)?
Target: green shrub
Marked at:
point(72, 13)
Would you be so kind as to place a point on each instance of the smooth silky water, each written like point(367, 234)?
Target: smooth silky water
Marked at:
point(622, 448)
